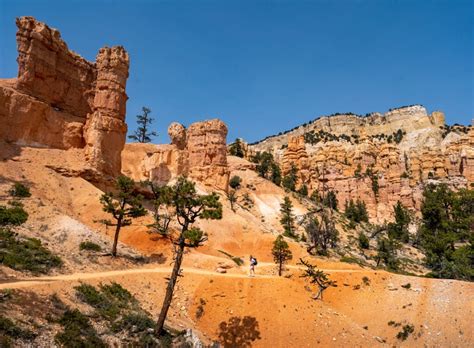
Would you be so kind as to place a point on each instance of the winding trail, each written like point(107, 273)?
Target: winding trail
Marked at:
point(23, 283)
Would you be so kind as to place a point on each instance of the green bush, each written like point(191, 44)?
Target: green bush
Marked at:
point(356, 212)
point(445, 234)
point(90, 246)
point(363, 241)
point(20, 190)
point(10, 329)
point(235, 182)
point(140, 321)
point(109, 300)
point(14, 216)
point(77, 331)
point(26, 254)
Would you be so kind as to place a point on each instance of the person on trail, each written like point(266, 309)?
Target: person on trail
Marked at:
point(253, 263)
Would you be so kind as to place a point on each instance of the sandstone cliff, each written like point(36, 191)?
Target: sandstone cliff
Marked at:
point(198, 152)
point(378, 158)
point(60, 100)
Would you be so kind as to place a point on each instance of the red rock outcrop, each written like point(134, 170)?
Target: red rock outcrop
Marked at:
point(350, 165)
point(60, 100)
point(198, 152)
point(207, 148)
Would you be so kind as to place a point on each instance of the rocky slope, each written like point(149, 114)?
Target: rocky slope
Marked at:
point(380, 159)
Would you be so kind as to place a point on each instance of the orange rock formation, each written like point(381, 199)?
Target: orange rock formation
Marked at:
point(400, 169)
point(60, 100)
point(198, 152)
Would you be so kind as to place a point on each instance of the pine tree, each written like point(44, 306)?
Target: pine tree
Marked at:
point(318, 277)
point(399, 229)
point(142, 134)
point(281, 253)
point(183, 203)
point(123, 206)
point(287, 219)
point(322, 235)
point(236, 148)
point(232, 196)
point(290, 179)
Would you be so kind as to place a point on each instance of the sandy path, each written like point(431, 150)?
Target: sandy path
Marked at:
point(167, 270)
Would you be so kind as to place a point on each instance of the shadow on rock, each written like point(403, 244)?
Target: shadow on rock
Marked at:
point(239, 332)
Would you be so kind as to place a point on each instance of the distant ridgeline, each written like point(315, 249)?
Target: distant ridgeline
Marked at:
point(378, 158)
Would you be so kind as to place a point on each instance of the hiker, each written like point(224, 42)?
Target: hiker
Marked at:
point(253, 263)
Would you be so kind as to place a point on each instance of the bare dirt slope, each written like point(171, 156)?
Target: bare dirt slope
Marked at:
point(232, 308)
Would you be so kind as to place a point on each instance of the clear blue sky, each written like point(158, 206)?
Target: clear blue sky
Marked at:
point(267, 66)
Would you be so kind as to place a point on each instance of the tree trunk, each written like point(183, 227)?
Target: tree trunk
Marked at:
point(280, 266)
point(116, 237)
point(170, 288)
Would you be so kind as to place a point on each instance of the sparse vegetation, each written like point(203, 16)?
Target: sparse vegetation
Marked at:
point(267, 167)
point(236, 148)
point(318, 277)
point(363, 241)
point(10, 330)
point(406, 331)
point(90, 246)
point(142, 134)
point(330, 200)
point(182, 202)
point(25, 254)
point(303, 190)
point(290, 179)
point(232, 197)
point(445, 234)
point(321, 234)
point(287, 219)
point(20, 190)
point(399, 229)
point(356, 212)
point(281, 253)
point(406, 286)
point(12, 216)
point(235, 182)
point(77, 331)
point(387, 253)
point(238, 261)
point(124, 206)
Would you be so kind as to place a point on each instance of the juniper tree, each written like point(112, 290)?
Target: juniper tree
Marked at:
point(318, 277)
point(142, 134)
point(182, 203)
point(124, 205)
point(287, 219)
point(281, 252)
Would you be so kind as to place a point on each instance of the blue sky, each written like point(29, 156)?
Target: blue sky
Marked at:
point(267, 66)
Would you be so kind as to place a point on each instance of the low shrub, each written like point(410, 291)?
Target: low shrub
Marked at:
point(26, 254)
point(363, 241)
point(13, 216)
point(20, 190)
point(406, 331)
point(12, 330)
point(91, 246)
point(77, 331)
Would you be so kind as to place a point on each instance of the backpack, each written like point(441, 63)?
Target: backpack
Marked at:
point(254, 261)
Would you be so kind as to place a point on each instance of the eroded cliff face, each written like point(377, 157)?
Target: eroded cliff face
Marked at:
point(60, 100)
point(380, 159)
point(199, 152)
